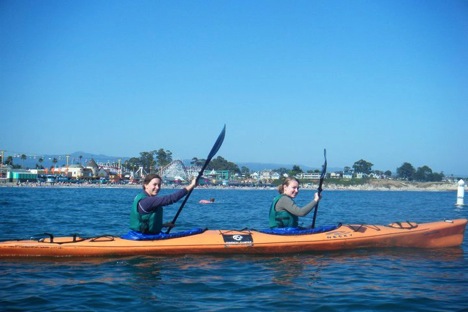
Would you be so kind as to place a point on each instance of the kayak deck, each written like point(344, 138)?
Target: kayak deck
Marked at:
point(448, 233)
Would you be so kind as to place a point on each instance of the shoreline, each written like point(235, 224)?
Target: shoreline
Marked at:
point(376, 185)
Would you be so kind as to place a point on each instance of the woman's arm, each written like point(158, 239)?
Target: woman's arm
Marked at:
point(151, 203)
point(286, 203)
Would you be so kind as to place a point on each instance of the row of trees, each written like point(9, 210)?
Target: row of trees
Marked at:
point(406, 172)
point(152, 160)
point(149, 161)
point(9, 161)
point(423, 174)
point(23, 157)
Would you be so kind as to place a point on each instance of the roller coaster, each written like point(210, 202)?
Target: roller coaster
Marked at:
point(174, 171)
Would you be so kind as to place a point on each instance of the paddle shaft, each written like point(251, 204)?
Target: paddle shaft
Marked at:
point(319, 189)
point(213, 152)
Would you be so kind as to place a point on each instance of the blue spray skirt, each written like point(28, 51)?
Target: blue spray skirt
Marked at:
point(134, 235)
point(300, 231)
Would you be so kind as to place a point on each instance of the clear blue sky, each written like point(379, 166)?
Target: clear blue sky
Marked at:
point(383, 81)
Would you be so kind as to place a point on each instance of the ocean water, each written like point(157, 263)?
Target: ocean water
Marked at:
point(355, 280)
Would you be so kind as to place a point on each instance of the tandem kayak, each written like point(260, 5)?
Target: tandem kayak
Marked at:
point(447, 233)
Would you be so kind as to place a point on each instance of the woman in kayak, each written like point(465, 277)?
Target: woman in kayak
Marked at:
point(147, 210)
point(283, 211)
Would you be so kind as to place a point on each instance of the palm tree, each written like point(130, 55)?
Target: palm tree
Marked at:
point(9, 161)
point(23, 158)
point(40, 162)
point(54, 161)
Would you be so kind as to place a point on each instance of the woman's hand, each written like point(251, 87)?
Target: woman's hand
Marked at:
point(192, 185)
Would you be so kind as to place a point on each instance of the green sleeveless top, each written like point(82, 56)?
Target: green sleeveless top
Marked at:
point(283, 218)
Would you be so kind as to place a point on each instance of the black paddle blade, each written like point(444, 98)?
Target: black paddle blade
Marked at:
point(324, 167)
point(319, 190)
point(213, 152)
point(324, 171)
point(217, 144)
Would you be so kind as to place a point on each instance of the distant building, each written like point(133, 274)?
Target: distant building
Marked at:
point(93, 166)
point(21, 176)
point(75, 171)
point(360, 175)
point(309, 176)
point(275, 176)
point(217, 175)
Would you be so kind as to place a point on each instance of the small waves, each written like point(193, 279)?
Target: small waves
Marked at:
point(354, 280)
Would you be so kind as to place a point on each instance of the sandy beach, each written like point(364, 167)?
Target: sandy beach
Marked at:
point(371, 185)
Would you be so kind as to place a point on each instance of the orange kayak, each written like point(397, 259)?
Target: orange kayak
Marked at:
point(448, 233)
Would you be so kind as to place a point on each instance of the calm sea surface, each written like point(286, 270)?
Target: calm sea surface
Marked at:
point(357, 280)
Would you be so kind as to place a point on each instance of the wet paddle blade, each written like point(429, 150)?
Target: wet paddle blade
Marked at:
point(213, 152)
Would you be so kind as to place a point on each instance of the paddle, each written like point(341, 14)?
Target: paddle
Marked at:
point(213, 151)
point(319, 190)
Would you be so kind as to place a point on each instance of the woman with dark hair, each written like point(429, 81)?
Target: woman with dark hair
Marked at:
point(283, 211)
point(146, 215)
